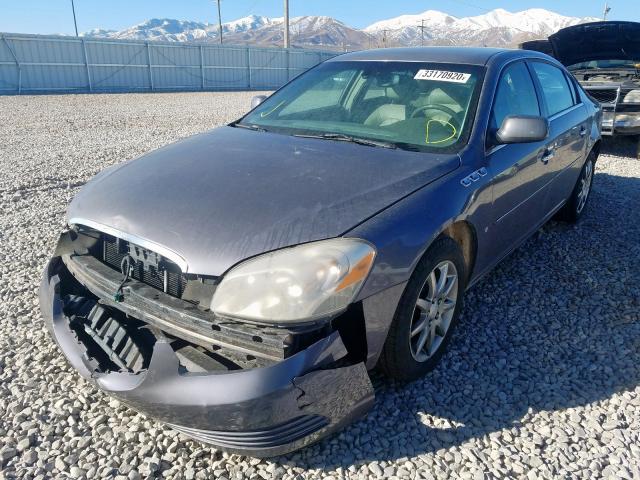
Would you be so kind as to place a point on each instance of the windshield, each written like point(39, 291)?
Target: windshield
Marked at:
point(605, 64)
point(410, 105)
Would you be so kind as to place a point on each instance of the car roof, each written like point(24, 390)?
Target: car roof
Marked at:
point(463, 55)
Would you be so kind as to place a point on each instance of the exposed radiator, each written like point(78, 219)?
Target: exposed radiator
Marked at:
point(158, 272)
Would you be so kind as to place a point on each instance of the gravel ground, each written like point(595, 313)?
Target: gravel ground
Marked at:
point(541, 380)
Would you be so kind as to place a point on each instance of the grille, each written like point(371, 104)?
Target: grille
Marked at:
point(279, 435)
point(115, 249)
point(604, 95)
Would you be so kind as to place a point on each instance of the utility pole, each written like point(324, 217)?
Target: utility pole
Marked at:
point(219, 21)
point(75, 24)
point(287, 44)
point(421, 27)
point(607, 9)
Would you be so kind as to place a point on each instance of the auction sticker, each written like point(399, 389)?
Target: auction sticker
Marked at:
point(442, 76)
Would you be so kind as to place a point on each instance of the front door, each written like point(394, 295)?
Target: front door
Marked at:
point(520, 171)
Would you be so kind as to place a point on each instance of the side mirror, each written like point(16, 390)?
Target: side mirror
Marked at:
point(522, 129)
point(257, 100)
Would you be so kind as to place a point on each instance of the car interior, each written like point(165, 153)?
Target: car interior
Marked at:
point(389, 105)
point(400, 98)
point(400, 104)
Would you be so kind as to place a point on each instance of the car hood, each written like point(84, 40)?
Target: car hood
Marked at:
point(219, 197)
point(596, 41)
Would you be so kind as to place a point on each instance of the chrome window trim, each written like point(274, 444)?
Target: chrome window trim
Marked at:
point(142, 242)
point(564, 112)
point(495, 148)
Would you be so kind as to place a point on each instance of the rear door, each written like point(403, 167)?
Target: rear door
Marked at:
point(519, 170)
point(568, 133)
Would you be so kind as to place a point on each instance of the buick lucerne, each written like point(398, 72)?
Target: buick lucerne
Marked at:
point(239, 285)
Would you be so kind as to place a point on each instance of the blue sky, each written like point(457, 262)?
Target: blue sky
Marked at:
point(54, 16)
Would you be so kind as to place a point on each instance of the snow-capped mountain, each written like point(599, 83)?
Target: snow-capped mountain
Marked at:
point(533, 20)
point(171, 30)
point(496, 28)
point(432, 18)
point(164, 29)
point(252, 22)
point(98, 32)
point(310, 31)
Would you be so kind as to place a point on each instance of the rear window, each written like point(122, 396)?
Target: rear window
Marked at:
point(555, 87)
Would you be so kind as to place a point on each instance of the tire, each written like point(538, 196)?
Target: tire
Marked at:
point(577, 202)
point(400, 358)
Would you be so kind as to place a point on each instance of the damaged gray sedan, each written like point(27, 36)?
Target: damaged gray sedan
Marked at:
point(240, 284)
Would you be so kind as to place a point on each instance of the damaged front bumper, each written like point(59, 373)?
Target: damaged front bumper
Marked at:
point(261, 411)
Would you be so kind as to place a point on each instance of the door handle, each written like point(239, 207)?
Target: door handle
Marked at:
point(548, 153)
point(583, 131)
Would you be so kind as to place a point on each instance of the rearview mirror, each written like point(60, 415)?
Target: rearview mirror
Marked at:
point(257, 100)
point(522, 129)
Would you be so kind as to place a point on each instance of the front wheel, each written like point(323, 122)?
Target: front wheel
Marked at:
point(573, 209)
point(426, 314)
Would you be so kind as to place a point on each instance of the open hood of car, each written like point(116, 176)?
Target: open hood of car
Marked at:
point(594, 41)
point(220, 197)
point(542, 45)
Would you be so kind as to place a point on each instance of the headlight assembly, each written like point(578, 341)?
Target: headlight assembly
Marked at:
point(295, 284)
point(633, 96)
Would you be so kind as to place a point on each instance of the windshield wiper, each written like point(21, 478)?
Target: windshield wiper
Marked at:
point(340, 137)
point(255, 128)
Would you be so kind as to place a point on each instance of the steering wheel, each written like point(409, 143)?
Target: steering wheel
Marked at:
point(436, 106)
point(451, 121)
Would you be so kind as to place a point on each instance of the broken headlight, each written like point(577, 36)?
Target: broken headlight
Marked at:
point(632, 96)
point(295, 284)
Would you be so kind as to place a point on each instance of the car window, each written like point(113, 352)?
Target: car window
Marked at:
point(572, 89)
point(325, 93)
point(555, 88)
point(412, 105)
point(515, 95)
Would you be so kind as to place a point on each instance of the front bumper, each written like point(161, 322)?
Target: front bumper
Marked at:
point(617, 123)
point(263, 412)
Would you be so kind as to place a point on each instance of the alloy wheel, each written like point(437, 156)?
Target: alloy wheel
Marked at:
point(434, 311)
point(585, 186)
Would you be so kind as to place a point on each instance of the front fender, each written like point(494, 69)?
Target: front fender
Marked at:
point(403, 233)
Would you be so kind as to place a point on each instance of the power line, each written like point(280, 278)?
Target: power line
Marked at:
point(421, 27)
point(469, 4)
